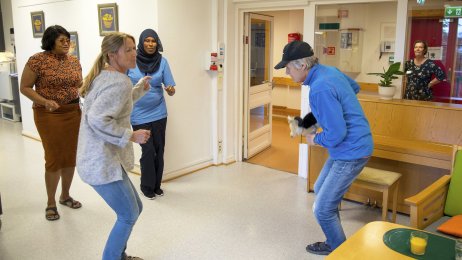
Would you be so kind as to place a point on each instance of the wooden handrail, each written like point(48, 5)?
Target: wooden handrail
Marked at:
point(285, 81)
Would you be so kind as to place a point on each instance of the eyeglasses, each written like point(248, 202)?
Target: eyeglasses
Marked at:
point(64, 40)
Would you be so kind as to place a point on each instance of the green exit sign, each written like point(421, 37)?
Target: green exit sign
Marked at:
point(453, 11)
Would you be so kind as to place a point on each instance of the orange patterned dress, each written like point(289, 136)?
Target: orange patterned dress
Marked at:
point(58, 79)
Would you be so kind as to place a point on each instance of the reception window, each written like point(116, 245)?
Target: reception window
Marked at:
point(356, 38)
point(429, 22)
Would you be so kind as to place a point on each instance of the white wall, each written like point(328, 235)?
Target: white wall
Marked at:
point(377, 14)
point(184, 28)
point(231, 90)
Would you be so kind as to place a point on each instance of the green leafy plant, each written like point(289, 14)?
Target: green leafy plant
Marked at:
point(388, 75)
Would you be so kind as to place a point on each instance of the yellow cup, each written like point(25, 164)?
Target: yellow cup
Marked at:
point(418, 241)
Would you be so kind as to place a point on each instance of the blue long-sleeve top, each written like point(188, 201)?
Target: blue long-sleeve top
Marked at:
point(345, 130)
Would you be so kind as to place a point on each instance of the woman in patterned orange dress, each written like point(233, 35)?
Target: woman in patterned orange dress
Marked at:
point(56, 77)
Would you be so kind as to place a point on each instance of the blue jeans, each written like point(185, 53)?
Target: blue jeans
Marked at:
point(333, 182)
point(122, 197)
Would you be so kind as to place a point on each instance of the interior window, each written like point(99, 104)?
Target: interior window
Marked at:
point(428, 21)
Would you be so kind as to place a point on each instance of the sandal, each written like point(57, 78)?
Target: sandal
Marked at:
point(133, 258)
point(51, 213)
point(319, 248)
point(71, 203)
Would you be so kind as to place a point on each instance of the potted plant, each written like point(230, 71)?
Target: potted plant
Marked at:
point(386, 89)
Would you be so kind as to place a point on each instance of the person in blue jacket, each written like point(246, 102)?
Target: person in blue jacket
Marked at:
point(150, 112)
point(345, 133)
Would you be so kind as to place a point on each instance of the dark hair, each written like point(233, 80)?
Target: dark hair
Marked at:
point(424, 44)
point(51, 34)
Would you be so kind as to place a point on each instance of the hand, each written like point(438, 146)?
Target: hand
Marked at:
point(170, 90)
point(140, 136)
point(51, 105)
point(310, 139)
point(146, 85)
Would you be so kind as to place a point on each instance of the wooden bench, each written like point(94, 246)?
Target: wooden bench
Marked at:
point(419, 163)
point(382, 181)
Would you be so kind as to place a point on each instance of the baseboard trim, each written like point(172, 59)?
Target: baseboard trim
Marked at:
point(168, 176)
point(181, 172)
point(185, 171)
point(31, 135)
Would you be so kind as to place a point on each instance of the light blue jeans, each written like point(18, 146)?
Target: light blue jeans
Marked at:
point(122, 197)
point(334, 180)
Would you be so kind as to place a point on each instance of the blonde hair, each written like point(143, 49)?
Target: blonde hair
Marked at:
point(111, 43)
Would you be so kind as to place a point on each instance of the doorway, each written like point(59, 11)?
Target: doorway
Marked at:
point(282, 151)
point(258, 34)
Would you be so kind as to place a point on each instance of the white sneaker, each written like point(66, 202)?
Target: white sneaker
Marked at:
point(149, 197)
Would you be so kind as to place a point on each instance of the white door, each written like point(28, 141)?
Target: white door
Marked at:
point(257, 83)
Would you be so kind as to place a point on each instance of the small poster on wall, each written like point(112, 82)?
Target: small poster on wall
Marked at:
point(74, 45)
point(38, 24)
point(331, 50)
point(435, 53)
point(346, 40)
point(108, 19)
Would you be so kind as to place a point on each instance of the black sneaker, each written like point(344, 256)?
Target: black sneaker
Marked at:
point(149, 196)
point(319, 248)
point(159, 192)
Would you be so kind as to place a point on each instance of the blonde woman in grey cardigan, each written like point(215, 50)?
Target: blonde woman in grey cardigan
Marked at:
point(105, 150)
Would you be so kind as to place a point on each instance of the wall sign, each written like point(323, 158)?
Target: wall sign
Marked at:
point(108, 19)
point(453, 11)
point(38, 24)
point(331, 50)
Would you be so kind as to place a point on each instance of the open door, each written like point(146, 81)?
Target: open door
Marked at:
point(257, 83)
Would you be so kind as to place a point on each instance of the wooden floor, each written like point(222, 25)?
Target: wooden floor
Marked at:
point(283, 153)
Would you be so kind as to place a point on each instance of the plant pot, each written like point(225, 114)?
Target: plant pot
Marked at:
point(387, 93)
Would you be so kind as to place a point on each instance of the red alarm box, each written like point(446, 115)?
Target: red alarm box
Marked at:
point(294, 37)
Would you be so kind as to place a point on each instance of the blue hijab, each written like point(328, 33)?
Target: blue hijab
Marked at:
point(148, 63)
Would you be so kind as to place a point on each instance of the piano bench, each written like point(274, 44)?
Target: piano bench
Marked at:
point(381, 181)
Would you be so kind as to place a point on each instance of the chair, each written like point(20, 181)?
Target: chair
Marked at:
point(382, 181)
point(440, 198)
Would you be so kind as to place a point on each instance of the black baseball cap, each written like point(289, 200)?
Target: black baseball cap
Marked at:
point(293, 51)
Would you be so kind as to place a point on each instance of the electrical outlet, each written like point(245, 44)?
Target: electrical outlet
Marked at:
point(220, 146)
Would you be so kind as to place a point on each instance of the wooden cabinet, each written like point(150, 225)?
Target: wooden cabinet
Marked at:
point(410, 137)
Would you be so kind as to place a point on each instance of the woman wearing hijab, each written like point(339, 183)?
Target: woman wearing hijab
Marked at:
point(150, 112)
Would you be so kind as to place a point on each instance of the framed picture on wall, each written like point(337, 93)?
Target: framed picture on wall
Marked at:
point(38, 24)
point(74, 45)
point(435, 53)
point(108, 18)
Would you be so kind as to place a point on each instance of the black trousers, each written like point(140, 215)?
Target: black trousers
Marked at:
point(152, 156)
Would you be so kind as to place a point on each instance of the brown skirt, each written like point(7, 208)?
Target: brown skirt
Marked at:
point(59, 131)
